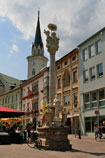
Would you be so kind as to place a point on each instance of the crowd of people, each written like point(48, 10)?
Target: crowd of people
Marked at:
point(98, 131)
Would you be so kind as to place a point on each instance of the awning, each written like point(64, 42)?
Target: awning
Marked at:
point(8, 112)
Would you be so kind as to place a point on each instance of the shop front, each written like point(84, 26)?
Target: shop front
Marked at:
point(90, 122)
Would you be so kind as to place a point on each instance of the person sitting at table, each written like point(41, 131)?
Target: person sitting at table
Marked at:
point(17, 130)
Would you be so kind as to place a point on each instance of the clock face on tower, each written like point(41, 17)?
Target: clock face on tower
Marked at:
point(33, 63)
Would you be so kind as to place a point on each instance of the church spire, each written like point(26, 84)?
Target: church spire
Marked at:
point(38, 38)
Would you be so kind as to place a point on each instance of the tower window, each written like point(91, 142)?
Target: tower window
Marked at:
point(39, 52)
point(33, 71)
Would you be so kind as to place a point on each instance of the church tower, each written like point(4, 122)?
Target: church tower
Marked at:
point(37, 60)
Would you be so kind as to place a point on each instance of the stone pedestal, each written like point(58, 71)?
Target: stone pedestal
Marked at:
point(54, 138)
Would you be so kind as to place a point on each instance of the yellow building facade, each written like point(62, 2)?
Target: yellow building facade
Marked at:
point(68, 89)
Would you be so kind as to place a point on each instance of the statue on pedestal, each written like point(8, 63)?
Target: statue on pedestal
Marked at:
point(52, 40)
point(48, 118)
point(64, 117)
point(58, 109)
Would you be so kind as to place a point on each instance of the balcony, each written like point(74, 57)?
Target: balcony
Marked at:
point(30, 95)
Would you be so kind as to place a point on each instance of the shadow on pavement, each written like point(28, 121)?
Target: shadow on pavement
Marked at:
point(91, 153)
point(4, 139)
point(7, 139)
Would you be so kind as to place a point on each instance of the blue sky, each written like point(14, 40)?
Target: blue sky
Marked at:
point(76, 20)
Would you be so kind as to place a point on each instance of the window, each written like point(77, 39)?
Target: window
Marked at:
point(59, 97)
point(23, 107)
point(67, 99)
point(85, 54)
point(94, 99)
point(38, 51)
point(28, 107)
point(3, 101)
point(86, 101)
point(92, 73)
point(85, 76)
point(75, 99)
point(35, 106)
point(8, 99)
point(74, 58)
point(87, 124)
point(16, 96)
point(98, 47)
point(15, 106)
point(75, 76)
point(23, 92)
point(33, 71)
point(99, 70)
point(66, 79)
point(45, 82)
point(35, 88)
point(92, 50)
point(58, 67)
point(12, 98)
point(65, 63)
point(59, 83)
point(102, 97)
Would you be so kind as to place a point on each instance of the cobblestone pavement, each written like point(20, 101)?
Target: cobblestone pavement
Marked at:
point(86, 147)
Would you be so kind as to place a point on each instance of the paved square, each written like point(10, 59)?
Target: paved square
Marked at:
point(86, 147)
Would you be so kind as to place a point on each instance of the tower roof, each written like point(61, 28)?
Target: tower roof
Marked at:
point(38, 38)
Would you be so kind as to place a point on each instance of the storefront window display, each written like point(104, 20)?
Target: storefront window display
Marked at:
point(90, 122)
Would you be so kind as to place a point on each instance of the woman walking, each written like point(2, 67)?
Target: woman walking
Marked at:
point(96, 130)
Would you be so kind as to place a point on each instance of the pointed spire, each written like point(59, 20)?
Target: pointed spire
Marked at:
point(38, 38)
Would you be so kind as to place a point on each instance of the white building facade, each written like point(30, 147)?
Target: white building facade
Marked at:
point(92, 81)
point(34, 95)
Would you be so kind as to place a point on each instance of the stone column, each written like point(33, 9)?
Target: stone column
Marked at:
point(52, 44)
point(52, 78)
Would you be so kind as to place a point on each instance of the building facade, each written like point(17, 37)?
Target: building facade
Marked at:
point(12, 99)
point(34, 97)
point(92, 81)
point(67, 88)
point(10, 92)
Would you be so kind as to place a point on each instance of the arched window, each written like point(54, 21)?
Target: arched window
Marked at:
point(33, 71)
point(66, 78)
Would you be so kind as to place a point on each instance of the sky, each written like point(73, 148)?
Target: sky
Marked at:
point(76, 20)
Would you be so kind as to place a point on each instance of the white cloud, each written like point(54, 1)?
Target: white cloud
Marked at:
point(13, 49)
point(76, 19)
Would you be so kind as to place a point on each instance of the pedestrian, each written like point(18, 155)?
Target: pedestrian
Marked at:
point(96, 129)
point(79, 134)
point(100, 131)
point(29, 132)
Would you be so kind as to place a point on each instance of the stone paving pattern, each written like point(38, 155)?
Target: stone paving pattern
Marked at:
point(86, 147)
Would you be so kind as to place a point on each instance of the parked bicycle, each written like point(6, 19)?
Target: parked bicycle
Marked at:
point(33, 141)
